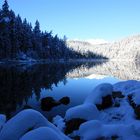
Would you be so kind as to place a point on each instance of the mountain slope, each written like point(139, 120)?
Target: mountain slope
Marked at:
point(127, 48)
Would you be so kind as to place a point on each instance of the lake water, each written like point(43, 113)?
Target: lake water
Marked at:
point(23, 86)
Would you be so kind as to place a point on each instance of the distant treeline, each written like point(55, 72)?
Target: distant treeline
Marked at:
point(19, 40)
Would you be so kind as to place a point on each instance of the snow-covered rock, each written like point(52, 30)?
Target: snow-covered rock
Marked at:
point(95, 129)
point(2, 121)
point(90, 130)
point(99, 92)
point(42, 133)
point(86, 111)
point(126, 87)
point(131, 89)
point(23, 122)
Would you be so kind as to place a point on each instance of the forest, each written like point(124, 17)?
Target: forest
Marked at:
point(19, 40)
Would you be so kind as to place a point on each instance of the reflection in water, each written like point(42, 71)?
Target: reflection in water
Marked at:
point(19, 83)
point(124, 70)
point(30, 86)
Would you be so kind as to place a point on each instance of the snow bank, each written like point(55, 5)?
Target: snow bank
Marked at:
point(86, 111)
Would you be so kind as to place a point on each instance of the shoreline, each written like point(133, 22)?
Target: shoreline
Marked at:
point(65, 61)
point(111, 110)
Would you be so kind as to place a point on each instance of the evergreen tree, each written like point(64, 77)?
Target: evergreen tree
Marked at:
point(5, 9)
point(37, 28)
point(37, 44)
point(19, 41)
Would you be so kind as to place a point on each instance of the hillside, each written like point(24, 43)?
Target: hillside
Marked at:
point(21, 41)
point(126, 49)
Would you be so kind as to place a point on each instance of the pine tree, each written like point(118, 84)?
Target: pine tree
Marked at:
point(37, 41)
point(5, 9)
point(19, 40)
point(37, 28)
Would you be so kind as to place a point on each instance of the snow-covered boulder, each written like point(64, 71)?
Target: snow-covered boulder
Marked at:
point(90, 130)
point(101, 96)
point(42, 133)
point(126, 87)
point(2, 121)
point(77, 115)
point(95, 129)
point(24, 122)
point(85, 111)
point(131, 89)
point(134, 100)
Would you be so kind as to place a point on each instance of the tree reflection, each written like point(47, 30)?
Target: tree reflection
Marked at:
point(19, 82)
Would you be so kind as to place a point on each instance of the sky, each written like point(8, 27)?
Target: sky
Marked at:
point(82, 19)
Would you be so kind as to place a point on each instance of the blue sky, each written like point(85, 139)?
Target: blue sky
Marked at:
point(83, 19)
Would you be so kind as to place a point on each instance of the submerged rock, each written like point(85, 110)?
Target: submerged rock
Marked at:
point(49, 102)
point(65, 100)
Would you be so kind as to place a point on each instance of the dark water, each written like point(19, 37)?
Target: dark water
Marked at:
point(23, 86)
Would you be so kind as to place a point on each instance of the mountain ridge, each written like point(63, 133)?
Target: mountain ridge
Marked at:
point(127, 48)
